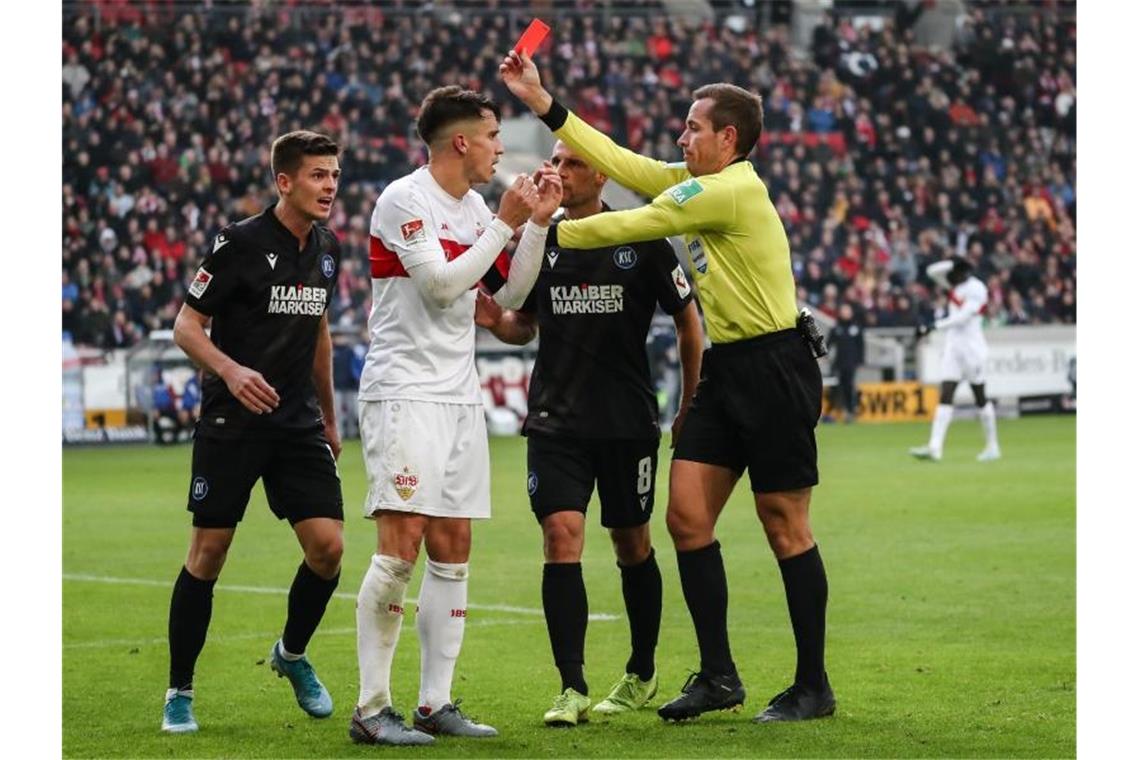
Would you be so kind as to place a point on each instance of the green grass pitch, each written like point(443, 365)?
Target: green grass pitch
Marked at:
point(951, 624)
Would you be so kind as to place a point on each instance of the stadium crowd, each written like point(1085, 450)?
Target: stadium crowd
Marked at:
point(880, 155)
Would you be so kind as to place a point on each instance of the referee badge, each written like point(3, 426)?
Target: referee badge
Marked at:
point(328, 266)
point(697, 256)
point(684, 192)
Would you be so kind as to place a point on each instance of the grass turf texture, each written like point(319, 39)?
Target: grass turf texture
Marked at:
point(951, 625)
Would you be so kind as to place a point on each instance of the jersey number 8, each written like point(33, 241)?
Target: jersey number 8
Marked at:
point(644, 476)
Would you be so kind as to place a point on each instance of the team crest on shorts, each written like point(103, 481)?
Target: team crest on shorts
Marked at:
point(406, 483)
point(328, 266)
point(199, 488)
point(531, 483)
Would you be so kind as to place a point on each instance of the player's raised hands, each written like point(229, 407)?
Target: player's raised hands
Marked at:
point(251, 389)
point(518, 201)
point(549, 186)
point(520, 75)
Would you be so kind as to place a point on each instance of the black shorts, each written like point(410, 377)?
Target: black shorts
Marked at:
point(561, 474)
point(756, 408)
point(297, 471)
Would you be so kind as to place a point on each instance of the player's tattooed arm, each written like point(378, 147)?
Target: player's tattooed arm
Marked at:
point(515, 327)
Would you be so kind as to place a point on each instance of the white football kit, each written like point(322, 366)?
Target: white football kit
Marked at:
point(963, 358)
point(964, 354)
point(422, 420)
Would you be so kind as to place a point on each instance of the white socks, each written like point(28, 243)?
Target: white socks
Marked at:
point(379, 615)
point(942, 416)
point(989, 424)
point(440, 622)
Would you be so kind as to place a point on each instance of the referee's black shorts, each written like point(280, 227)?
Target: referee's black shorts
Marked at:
point(297, 470)
point(756, 408)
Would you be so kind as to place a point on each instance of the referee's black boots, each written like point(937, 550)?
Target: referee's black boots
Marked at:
point(798, 702)
point(704, 693)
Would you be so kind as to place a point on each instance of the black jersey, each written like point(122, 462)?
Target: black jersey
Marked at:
point(266, 298)
point(594, 308)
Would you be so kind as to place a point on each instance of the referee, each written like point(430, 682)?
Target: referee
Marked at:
point(760, 391)
point(267, 412)
point(593, 418)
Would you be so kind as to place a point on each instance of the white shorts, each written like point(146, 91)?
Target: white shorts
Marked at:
point(426, 457)
point(964, 360)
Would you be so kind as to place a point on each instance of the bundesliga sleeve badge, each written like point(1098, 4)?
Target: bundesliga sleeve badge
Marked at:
point(413, 231)
point(680, 281)
point(200, 283)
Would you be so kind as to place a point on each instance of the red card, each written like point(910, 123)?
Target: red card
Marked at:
point(532, 38)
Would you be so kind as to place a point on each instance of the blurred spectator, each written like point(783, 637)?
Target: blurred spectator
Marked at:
point(846, 339)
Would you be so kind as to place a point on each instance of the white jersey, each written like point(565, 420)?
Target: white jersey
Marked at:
point(963, 320)
point(418, 350)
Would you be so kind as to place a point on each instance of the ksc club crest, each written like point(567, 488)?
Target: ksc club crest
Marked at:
point(328, 266)
point(625, 258)
point(406, 483)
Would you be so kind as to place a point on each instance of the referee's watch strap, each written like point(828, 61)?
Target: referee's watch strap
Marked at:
point(556, 116)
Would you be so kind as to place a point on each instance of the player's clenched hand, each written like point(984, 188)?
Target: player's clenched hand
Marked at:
point(520, 75)
point(518, 201)
point(251, 389)
point(549, 186)
point(487, 310)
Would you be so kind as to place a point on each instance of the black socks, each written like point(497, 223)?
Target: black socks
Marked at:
point(805, 584)
point(190, 608)
point(308, 597)
point(706, 595)
point(641, 587)
point(564, 602)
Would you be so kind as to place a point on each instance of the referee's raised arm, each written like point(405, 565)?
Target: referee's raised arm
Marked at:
point(639, 173)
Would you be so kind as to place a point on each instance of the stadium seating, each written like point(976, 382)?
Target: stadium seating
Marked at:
point(880, 154)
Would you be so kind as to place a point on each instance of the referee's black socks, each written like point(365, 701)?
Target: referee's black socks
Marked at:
point(706, 595)
point(564, 602)
point(641, 587)
point(191, 605)
point(308, 597)
point(805, 584)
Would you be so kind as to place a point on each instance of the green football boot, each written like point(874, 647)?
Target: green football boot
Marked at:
point(628, 694)
point(569, 709)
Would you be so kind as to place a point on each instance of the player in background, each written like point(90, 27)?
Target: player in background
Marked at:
point(422, 418)
point(267, 412)
point(963, 356)
point(592, 416)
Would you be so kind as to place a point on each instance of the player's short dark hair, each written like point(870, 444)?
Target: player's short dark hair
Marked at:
point(738, 107)
point(289, 150)
point(444, 106)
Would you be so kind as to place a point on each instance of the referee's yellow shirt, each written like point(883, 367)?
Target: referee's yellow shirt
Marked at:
point(736, 242)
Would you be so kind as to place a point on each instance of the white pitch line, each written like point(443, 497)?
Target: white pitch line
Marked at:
point(601, 616)
point(107, 643)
